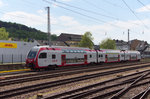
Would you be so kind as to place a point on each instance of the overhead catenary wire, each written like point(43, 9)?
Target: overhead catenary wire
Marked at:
point(135, 14)
point(111, 17)
point(82, 14)
point(88, 11)
point(112, 3)
point(143, 5)
point(93, 18)
point(78, 13)
point(90, 3)
point(94, 5)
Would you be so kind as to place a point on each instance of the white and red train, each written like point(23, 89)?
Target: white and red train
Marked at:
point(56, 56)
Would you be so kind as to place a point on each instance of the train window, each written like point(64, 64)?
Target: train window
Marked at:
point(79, 51)
point(32, 54)
point(90, 56)
point(75, 51)
point(64, 51)
point(53, 56)
point(122, 55)
point(99, 56)
point(71, 51)
point(67, 51)
point(43, 55)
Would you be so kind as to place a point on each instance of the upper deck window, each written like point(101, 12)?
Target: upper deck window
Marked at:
point(32, 54)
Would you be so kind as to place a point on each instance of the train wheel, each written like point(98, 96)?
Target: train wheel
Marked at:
point(52, 67)
point(32, 69)
point(35, 69)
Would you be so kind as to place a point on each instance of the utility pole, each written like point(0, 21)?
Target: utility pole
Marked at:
point(48, 26)
point(128, 40)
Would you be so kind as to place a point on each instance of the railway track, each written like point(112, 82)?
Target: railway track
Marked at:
point(119, 93)
point(124, 90)
point(31, 88)
point(47, 75)
point(91, 89)
point(143, 94)
point(60, 70)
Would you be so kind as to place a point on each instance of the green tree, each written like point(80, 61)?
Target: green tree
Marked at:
point(22, 32)
point(3, 34)
point(108, 43)
point(86, 40)
point(53, 37)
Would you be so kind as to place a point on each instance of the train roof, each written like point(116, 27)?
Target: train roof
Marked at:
point(81, 48)
point(62, 48)
point(131, 51)
point(110, 50)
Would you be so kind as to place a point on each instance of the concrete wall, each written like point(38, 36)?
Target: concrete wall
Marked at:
point(13, 55)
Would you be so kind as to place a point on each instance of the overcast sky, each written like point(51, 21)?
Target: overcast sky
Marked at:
point(103, 18)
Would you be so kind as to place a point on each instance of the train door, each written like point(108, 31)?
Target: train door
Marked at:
point(63, 59)
point(124, 56)
point(119, 58)
point(42, 59)
point(85, 59)
point(106, 58)
point(130, 57)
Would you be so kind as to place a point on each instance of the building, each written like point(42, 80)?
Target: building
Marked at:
point(14, 51)
point(137, 44)
point(144, 48)
point(142, 45)
point(64, 39)
point(70, 39)
point(54, 43)
point(121, 45)
point(146, 52)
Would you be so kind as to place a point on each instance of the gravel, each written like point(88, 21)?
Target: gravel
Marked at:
point(67, 87)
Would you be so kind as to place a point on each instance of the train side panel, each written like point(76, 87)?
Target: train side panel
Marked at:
point(64, 57)
point(91, 56)
point(47, 57)
point(101, 56)
point(112, 56)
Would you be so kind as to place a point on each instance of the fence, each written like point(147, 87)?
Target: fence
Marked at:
point(12, 58)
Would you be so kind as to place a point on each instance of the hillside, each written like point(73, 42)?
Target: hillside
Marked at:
point(20, 31)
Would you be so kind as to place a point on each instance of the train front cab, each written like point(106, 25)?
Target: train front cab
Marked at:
point(31, 59)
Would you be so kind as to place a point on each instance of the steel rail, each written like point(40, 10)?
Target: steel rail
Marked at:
point(63, 69)
point(93, 85)
point(122, 92)
point(46, 76)
point(117, 90)
point(142, 95)
point(93, 91)
point(26, 89)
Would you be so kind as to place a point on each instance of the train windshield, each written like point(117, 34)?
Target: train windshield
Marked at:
point(32, 54)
